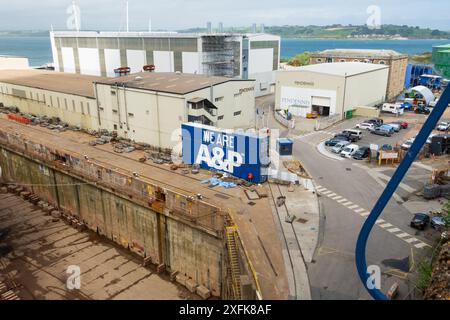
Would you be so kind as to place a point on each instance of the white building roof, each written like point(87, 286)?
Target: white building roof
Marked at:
point(342, 69)
point(361, 52)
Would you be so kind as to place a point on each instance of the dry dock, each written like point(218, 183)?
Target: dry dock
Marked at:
point(217, 241)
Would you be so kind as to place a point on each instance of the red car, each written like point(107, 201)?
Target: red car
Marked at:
point(403, 124)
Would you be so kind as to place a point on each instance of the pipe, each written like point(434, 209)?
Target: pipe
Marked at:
point(392, 185)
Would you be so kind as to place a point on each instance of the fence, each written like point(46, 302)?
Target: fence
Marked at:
point(323, 123)
point(290, 124)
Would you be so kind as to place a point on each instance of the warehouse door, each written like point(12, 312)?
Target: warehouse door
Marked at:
point(321, 105)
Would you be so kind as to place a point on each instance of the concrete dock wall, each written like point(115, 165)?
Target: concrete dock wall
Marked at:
point(151, 229)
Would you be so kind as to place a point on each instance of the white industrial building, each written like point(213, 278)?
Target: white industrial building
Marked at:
point(13, 62)
point(244, 56)
point(145, 107)
point(331, 88)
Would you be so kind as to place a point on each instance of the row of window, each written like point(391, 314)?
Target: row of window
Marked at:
point(50, 100)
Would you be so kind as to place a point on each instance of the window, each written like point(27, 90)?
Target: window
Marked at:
point(218, 99)
point(131, 115)
point(382, 62)
point(115, 127)
point(59, 104)
point(88, 108)
point(114, 111)
point(82, 107)
point(113, 93)
point(65, 104)
point(102, 109)
point(220, 118)
point(51, 101)
point(319, 60)
point(342, 60)
point(238, 113)
point(73, 106)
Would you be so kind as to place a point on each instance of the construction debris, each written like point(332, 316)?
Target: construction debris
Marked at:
point(218, 182)
point(294, 166)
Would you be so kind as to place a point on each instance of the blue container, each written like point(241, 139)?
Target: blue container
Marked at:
point(285, 147)
point(243, 155)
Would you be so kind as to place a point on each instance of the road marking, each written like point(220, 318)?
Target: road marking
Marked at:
point(411, 240)
point(403, 235)
point(331, 195)
point(380, 222)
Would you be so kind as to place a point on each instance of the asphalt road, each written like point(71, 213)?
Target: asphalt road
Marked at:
point(349, 191)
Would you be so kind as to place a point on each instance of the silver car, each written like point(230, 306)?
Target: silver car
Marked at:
point(339, 146)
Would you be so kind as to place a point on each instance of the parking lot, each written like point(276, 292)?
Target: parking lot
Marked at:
point(415, 122)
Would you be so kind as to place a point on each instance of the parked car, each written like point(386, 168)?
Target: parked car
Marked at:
point(366, 126)
point(312, 115)
point(430, 138)
point(388, 127)
point(349, 151)
point(437, 223)
point(386, 147)
point(348, 136)
point(353, 133)
point(339, 146)
point(420, 221)
point(408, 143)
point(422, 110)
point(333, 141)
point(381, 132)
point(443, 126)
point(403, 124)
point(376, 121)
point(362, 153)
point(396, 126)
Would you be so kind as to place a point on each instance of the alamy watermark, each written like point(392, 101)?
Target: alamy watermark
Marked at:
point(374, 19)
point(74, 280)
point(374, 279)
point(74, 20)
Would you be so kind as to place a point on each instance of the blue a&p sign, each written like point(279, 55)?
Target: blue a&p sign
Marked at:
point(243, 155)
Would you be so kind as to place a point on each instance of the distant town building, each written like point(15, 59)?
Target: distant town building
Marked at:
point(397, 64)
point(13, 62)
point(244, 56)
point(334, 89)
point(441, 59)
point(145, 107)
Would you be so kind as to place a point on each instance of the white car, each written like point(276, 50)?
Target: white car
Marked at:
point(339, 146)
point(443, 126)
point(366, 126)
point(349, 151)
point(408, 144)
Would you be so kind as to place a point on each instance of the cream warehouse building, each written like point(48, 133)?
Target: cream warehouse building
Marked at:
point(144, 107)
point(331, 88)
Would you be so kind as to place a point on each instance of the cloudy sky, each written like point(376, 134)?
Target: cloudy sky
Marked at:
point(179, 14)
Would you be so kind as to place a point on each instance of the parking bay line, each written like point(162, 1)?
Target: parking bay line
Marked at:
point(360, 210)
point(353, 207)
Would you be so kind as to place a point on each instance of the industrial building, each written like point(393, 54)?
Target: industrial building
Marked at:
point(13, 62)
point(331, 89)
point(145, 107)
point(441, 59)
point(397, 64)
point(245, 56)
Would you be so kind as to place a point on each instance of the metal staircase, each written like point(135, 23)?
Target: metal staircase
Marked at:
point(233, 256)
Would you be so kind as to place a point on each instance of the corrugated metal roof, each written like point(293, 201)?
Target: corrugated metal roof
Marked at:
point(76, 84)
point(343, 69)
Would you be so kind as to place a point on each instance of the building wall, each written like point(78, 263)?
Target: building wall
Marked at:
point(13, 63)
point(306, 85)
point(153, 118)
point(75, 110)
point(396, 64)
point(367, 89)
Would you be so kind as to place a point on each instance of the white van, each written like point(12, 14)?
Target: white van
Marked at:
point(349, 151)
point(354, 133)
point(392, 108)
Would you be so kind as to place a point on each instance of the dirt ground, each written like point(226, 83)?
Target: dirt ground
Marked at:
point(43, 249)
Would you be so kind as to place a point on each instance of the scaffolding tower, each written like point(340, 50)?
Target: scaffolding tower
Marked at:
point(219, 55)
